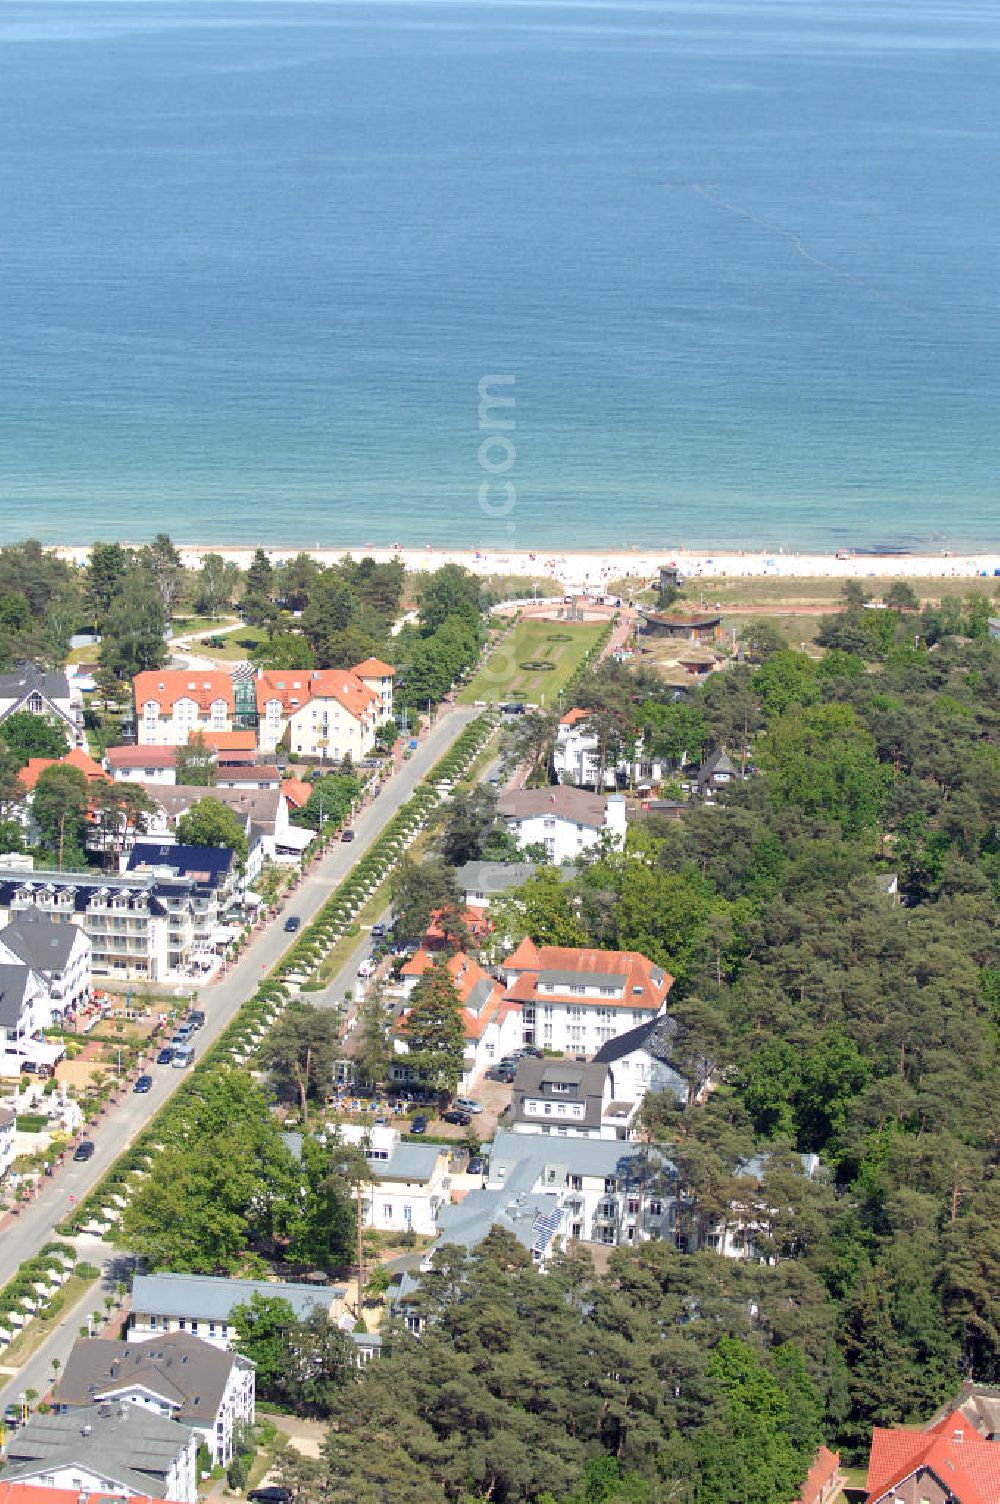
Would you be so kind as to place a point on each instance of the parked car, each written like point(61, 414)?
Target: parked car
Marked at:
point(165, 1057)
point(142, 1085)
point(367, 968)
point(84, 1150)
point(460, 1119)
point(378, 930)
point(196, 1018)
point(182, 1033)
point(476, 1165)
point(467, 1104)
point(419, 1124)
point(12, 1417)
point(270, 1494)
point(347, 835)
point(183, 1055)
point(502, 1073)
point(292, 923)
point(532, 1051)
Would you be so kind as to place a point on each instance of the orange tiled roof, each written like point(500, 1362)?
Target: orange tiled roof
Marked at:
point(952, 1450)
point(466, 974)
point(289, 686)
point(529, 960)
point(344, 687)
point(168, 685)
point(825, 1466)
point(572, 717)
point(297, 792)
point(230, 741)
point(295, 688)
point(35, 767)
point(374, 668)
point(34, 1493)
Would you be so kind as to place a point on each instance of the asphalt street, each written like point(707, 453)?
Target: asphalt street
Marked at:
point(25, 1234)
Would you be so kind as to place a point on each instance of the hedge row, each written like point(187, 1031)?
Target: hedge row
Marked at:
point(52, 1266)
point(245, 1033)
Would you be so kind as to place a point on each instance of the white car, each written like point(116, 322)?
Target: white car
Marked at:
point(367, 969)
point(467, 1104)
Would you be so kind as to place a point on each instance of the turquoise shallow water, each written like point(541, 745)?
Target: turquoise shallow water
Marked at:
point(741, 259)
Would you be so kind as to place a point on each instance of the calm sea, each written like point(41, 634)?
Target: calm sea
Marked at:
point(740, 256)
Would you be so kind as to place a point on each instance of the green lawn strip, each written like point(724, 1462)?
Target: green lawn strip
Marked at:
point(185, 626)
point(44, 1324)
point(241, 1038)
point(533, 640)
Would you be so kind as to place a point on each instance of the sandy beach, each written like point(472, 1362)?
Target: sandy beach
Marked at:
point(582, 570)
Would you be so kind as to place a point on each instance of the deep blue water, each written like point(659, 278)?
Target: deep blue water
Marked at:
point(741, 258)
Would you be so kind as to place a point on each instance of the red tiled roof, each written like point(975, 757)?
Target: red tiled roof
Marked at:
point(35, 767)
point(374, 668)
point(141, 757)
point(525, 958)
point(297, 792)
point(466, 974)
point(346, 688)
point(35, 1493)
point(289, 686)
point(230, 741)
point(825, 1467)
point(530, 960)
point(168, 685)
point(952, 1450)
point(295, 688)
point(572, 717)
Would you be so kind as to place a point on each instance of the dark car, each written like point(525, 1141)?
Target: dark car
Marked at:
point(532, 1051)
point(476, 1165)
point(84, 1150)
point(143, 1084)
point(454, 1115)
point(347, 835)
point(271, 1494)
point(166, 1056)
point(292, 923)
point(196, 1018)
point(419, 1124)
point(378, 930)
point(502, 1073)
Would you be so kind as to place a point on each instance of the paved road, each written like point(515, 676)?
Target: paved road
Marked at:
point(25, 1234)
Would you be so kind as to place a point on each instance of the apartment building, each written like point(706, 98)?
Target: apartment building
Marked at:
point(574, 1000)
point(141, 927)
point(172, 705)
point(567, 822)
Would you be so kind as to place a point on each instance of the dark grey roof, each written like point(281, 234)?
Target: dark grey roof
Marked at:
point(41, 943)
point(124, 1443)
point(209, 1297)
point(717, 763)
point(190, 1375)
point(656, 1038)
point(28, 678)
point(14, 979)
point(536, 1079)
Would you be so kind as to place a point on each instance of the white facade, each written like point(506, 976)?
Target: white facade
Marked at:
point(567, 822)
point(51, 695)
point(410, 1182)
point(7, 1130)
point(575, 1001)
point(63, 968)
point(237, 1404)
point(171, 705)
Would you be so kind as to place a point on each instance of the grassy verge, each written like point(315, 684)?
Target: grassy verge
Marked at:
point(241, 1037)
point(812, 591)
point(40, 1327)
point(563, 644)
